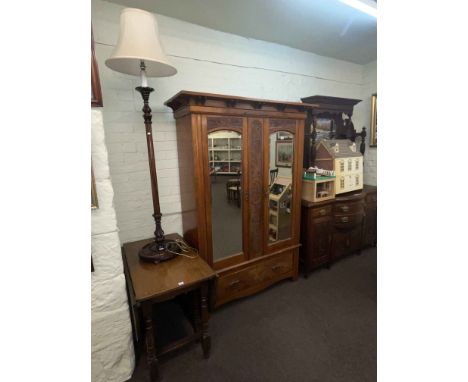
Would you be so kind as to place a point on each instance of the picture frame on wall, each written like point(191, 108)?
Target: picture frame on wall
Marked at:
point(373, 127)
point(96, 95)
point(94, 199)
point(284, 153)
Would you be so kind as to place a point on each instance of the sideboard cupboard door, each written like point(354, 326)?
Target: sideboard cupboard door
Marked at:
point(370, 231)
point(320, 229)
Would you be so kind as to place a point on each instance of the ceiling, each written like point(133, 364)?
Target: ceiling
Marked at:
point(325, 27)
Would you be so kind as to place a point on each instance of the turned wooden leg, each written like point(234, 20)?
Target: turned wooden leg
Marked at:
point(205, 338)
point(151, 359)
point(196, 310)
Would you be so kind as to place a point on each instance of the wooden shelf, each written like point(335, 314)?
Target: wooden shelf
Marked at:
point(225, 151)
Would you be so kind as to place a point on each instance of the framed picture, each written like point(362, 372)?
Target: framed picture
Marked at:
point(284, 153)
point(96, 95)
point(373, 128)
point(323, 125)
point(94, 200)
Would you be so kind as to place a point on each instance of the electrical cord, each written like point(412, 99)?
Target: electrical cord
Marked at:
point(183, 247)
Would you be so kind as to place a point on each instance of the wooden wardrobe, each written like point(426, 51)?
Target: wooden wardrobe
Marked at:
point(244, 149)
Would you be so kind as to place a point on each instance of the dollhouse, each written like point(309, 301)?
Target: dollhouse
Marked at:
point(341, 156)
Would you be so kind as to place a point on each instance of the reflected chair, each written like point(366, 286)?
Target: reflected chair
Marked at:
point(233, 189)
point(273, 175)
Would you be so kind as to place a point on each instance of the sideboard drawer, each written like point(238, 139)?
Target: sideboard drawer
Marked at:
point(348, 221)
point(322, 211)
point(348, 208)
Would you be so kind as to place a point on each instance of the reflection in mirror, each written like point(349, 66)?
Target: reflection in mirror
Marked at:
point(225, 159)
point(280, 199)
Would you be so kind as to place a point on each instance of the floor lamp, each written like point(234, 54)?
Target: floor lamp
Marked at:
point(139, 53)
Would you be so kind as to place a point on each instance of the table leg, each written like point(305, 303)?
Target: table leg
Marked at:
point(150, 345)
point(206, 339)
point(196, 301)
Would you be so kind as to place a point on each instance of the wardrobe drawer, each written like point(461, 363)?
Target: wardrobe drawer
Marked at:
point(348, 221)
point(348, 208)
point(322, 211)
point(236, 282)
point(277, 265)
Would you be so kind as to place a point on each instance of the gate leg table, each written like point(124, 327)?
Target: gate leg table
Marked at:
point(149, 284)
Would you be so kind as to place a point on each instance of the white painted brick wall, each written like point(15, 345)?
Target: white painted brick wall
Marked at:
point(208, 61)
point(112, 358)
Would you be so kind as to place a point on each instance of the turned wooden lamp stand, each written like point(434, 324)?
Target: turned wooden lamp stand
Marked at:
point(139, 52)
point(159, 249)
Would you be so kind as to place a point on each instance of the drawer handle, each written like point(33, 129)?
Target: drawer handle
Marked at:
point(323, 211)
point(344, 219)
point(344, 208)
point(275, 267)
point(234, 283)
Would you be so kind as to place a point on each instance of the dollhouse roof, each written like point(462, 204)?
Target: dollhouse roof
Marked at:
point(344, 148)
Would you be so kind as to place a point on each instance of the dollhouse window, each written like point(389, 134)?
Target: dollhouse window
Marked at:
point(342, 165)
point(342, 182)
point(357, 165)
point(357, 180)
point(350, 165)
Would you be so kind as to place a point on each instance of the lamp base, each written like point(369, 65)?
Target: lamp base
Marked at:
point(155, 252)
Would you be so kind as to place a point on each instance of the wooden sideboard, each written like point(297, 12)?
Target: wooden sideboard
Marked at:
point(338, 227)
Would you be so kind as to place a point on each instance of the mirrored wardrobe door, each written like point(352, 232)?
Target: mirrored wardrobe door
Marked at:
point(225, 157)
point(281, 185)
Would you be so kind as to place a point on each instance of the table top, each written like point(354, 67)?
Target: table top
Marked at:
point(157, 280)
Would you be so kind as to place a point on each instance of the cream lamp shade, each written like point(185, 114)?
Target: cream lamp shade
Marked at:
point(139, 42)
